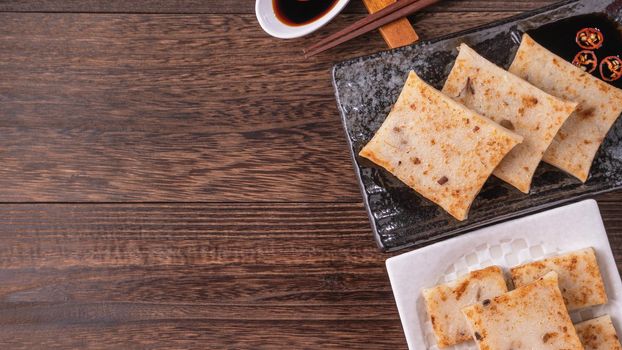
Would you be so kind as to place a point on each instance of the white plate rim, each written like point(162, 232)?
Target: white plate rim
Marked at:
point(577, 216)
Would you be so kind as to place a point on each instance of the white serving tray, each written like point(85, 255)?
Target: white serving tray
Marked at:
point(534, 237)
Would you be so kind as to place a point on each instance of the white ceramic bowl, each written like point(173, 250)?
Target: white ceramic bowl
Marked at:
point(273, 26)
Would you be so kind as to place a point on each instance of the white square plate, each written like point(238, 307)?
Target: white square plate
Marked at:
point(508, 244)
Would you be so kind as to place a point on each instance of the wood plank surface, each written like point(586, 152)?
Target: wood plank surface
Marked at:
point(221, 276)
point(173, 178)
point(234, 7)
point(141, 107)
point(210, 276)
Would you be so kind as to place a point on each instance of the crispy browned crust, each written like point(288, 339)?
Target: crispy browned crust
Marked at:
point(513, 103)
point(579, 276)
point(438, 147)
point(530, 317)
point(598, 334)
point(578, 140)
point(445, 301)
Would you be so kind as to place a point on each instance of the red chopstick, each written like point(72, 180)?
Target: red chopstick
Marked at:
point(393, 12)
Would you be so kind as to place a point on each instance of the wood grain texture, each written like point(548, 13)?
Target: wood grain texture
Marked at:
point(234, 7)
point(218, 276)
point(188, 101)
point(210, 276)
point(101, 107)
point(396, 34)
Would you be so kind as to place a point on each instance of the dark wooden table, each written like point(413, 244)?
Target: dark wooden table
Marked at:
point(172, 177)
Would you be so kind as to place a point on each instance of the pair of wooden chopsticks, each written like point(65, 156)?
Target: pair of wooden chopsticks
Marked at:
point(395, 11)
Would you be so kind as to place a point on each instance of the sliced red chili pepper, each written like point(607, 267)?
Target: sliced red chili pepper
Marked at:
point(590, 38)
point(586, 60)
point(611, 68)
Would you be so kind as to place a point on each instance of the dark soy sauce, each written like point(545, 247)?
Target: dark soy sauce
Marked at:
point(560, 38)
point(300, 12)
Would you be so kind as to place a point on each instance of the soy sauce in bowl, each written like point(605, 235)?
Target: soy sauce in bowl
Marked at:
point(301, 12)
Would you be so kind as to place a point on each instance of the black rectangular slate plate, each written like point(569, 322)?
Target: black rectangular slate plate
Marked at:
point(366, 88)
